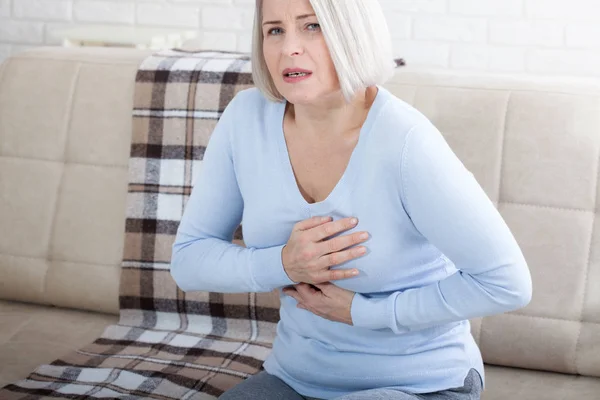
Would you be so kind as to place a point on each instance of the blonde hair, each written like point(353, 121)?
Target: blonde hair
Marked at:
point(357, 35)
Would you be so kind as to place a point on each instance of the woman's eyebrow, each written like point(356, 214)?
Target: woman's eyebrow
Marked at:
point(298, 18)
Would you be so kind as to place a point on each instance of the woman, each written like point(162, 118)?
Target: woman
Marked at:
point(316, 143)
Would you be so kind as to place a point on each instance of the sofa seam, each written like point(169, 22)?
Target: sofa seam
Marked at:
point(60, 260)
point(589, 266)
point(575, 92)
point(3, 67)
point(515, 203)
point(67, 126)
point(552, 318)
point(124, 167)
point(503, 147)
point(79, 61)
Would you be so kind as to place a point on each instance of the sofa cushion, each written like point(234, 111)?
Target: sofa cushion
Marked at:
point(31, 335)
point(514, 383)
point(65, 130)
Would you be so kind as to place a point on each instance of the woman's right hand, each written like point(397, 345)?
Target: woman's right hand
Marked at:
point(307, 256)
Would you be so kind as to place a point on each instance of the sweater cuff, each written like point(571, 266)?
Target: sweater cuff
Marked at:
point(369, 313)
point(267, 270)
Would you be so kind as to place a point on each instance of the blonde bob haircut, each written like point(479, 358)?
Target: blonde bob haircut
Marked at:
point(357, 35)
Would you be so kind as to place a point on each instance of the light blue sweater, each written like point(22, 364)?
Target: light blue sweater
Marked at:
point(439, 253)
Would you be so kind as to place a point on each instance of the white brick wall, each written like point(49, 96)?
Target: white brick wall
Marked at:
point(541, 37)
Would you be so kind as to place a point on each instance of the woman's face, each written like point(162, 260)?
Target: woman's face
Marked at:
point(293, 41)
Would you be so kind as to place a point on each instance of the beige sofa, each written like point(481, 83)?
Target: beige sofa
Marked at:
point(65, 126)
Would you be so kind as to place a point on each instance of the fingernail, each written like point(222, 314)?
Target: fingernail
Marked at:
point(354, 221)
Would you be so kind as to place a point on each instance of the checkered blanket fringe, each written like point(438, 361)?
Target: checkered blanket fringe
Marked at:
point(167, 344)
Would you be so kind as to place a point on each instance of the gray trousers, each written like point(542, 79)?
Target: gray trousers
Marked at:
point(264, 386)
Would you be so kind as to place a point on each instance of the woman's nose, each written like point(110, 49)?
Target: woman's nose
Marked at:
point(292, 45)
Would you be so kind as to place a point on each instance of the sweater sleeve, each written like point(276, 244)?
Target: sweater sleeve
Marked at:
point(451, 210)
point(203, 257)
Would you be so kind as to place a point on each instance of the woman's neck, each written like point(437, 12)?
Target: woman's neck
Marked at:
point(329, 119)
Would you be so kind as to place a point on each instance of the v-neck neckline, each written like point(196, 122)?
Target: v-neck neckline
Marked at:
point(345, 184)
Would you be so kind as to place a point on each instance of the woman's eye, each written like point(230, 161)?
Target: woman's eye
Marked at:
point(274, 31)
point(313, 27)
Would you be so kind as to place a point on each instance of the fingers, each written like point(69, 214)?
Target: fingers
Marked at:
point(301, 291)
point(332, 259)
point(305, 289)
point(313, 256)
point(311, 223)
point(335, 275)
point(343, 242)
point(292, 292)
point(331, 228)
point(324, 287)
point(299, 294)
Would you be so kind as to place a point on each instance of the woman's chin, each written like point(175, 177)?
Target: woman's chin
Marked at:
point(303, 96)
point(308, 94)
point(300, 100)
point(295, 94)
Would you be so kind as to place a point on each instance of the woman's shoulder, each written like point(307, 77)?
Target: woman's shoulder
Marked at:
point(412, 131)
point(249, 116)
point(399, 116)
point(396, 120)
point(249, 99)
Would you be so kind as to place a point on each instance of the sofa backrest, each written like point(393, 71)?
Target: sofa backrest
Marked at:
point(65, 131)
point(534, 146)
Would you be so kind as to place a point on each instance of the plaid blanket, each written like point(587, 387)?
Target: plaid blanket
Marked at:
point(167, 344)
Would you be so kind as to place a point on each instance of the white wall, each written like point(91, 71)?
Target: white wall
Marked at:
point(541, 37)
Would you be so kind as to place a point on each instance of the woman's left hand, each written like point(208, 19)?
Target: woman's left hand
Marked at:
point(330, 301)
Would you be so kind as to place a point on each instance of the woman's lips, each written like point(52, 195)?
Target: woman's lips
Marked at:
point(295, 79)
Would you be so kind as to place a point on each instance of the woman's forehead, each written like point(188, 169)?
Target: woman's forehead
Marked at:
point(290, 8)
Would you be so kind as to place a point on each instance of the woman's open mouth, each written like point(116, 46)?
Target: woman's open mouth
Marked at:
point(293, 76)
